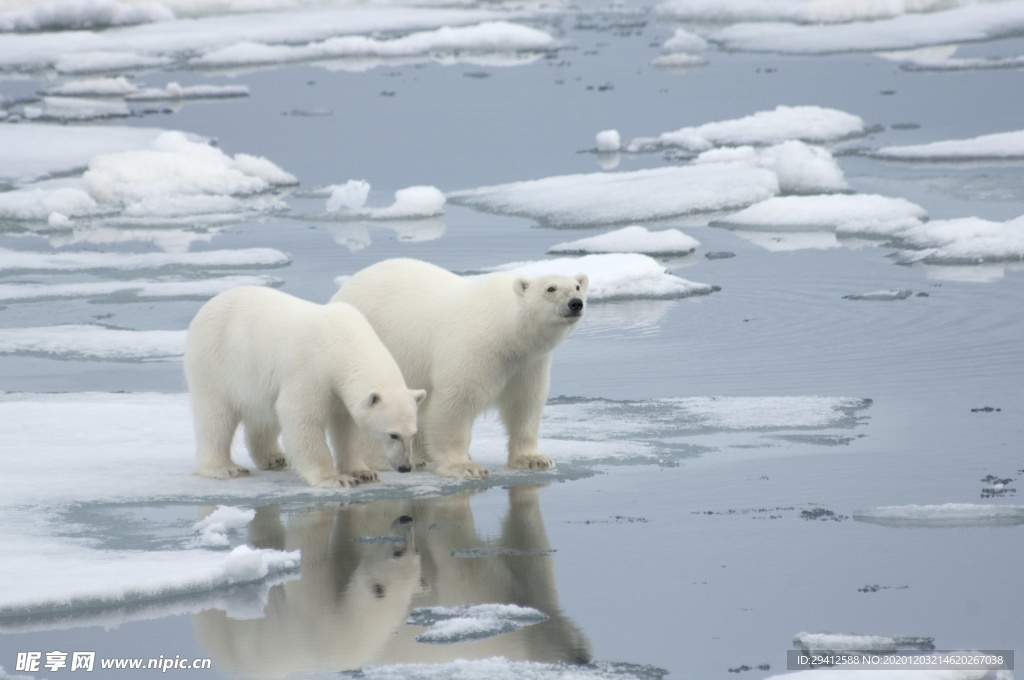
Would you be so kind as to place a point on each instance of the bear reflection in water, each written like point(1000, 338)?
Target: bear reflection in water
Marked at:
point(365, 567)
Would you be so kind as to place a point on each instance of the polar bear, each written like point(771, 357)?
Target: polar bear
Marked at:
point(279, 364)
point(474, 343)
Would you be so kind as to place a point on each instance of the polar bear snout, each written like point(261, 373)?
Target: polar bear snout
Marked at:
point(572, 309)
point(576, 306)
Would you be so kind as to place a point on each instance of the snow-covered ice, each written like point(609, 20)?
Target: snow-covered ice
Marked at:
point(174, 92)
point(450, 625)
point(632, 239)
point(968, 240)
point(65, 109)
point(20, 261)
point(801, 168)
point(944, 515)
point(78, 15)
point(805, 123)
point(347, 201)
point(1001, 145)
point(882, 295)
point(85, 341)
point(856, 212)
point(614, 276)
point(214, 529)
point(838, 642)
point(499, 668)
point(800, 11)
point(619, 197)
point(130, 290)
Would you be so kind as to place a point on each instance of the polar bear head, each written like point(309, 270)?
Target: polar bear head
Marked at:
point(553, 298)
point(389, 416)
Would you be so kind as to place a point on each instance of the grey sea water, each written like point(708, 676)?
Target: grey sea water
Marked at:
point(705, 563)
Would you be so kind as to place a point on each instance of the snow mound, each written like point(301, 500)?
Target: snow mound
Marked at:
point(450, 625)
point(213, 529)
point(783, 123)
point(622, 197)
point(801, 168)
point(632, 239)
point(1001, 145)
point(83, 341)
point(850, 213)
point(946, 515)
point(614, 276)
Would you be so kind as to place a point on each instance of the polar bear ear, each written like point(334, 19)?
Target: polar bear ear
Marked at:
point(372, 400)
point(583, 280)
point(418, 395)
point(520, 285)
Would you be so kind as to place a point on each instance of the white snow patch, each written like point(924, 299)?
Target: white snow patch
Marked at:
point(84, 341)
point(783, 123)
point(801, 168)
point(945, 515)
point(130, 290)
point(632, 239)
point(12, 261)
point(449, 625)
point(995, 146)
point(973, 22)
point(608, 140)
point(836, 211)
point(614, 276)
point(213, 529)
point(622, 197)
point(53, 205)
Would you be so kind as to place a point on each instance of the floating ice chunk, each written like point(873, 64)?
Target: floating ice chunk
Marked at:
point(783, 123)
point(801, 168)
point(614, 276)
point(81, 14)
point(608, 140)
point(351, 195)
point(982, 21)
point(634, 239)
point(490, 36)
point(98, 62)
point(677, 60)
point(129, 290)
point(969, 240)
point(38, 204)
point(946, 515)
point(684, 41)
point(803, 11)
point(177, 171)
point(622, 197)
point(411, 202)
point(838, 642)
point(75, 109)
point(840, 211)
point(83, 341)
point(95, 87)
point(882, 295)
point(12, 261)
point(996, 146)
point(449, 625)
point(213, 529)
point(174, 92)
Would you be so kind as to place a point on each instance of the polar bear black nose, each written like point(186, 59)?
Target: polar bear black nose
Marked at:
point(576, 305)
point(404, 468)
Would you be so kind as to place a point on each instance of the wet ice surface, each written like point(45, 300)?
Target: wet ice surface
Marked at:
point(816, 438)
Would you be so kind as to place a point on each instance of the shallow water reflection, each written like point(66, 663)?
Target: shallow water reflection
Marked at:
point(366, 567)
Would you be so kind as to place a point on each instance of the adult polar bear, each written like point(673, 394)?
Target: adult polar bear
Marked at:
point(473, 343)
point(281, 364)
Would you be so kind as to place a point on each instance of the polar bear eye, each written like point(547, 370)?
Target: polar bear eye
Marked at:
point(551, 289)
point(394, 436)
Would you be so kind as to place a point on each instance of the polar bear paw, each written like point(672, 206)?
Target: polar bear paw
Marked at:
point(337, 481)
point(364, 475)
point(465, 470)
point(531, 461)
point(223, 471)
point(273, 463)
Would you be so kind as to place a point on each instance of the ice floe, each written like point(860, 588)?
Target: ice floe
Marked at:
point(801, 168)
point(969, 240)
point(981, 21)
point(347, 201)
point(632, 239)
point(64, 109)
point(129, 290)
point(79, 15)
point(86, 341)
point(614, 276)
point(622, 197)
point(801, 11)
point(839, 642)
point(781, 124)
point(882, 295)
point(499, 668)
point(681, 51)
point(213, 529)
point(608, 141)
point(486, 37)
point(175, 92)
point(865, 213)
point(945, 515)
point(941, 58)
point(19, 261)
point(464, 623)
point(1002, 145)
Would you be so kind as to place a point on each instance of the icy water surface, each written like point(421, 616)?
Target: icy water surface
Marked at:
point(810, 424)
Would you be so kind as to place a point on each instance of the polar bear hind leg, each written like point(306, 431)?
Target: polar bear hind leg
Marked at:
point(264, 449)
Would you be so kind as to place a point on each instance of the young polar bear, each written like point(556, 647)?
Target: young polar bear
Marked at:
point(279, 364)
point(474, 343)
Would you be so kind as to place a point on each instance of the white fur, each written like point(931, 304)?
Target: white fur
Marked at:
point(473, 343)
point(279, 364)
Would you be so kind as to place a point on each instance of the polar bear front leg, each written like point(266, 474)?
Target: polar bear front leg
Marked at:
point(521, 404)
point(348, 448)
point(264, 449)
point(215, 423)
point(306, 448)
point(447, 427)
